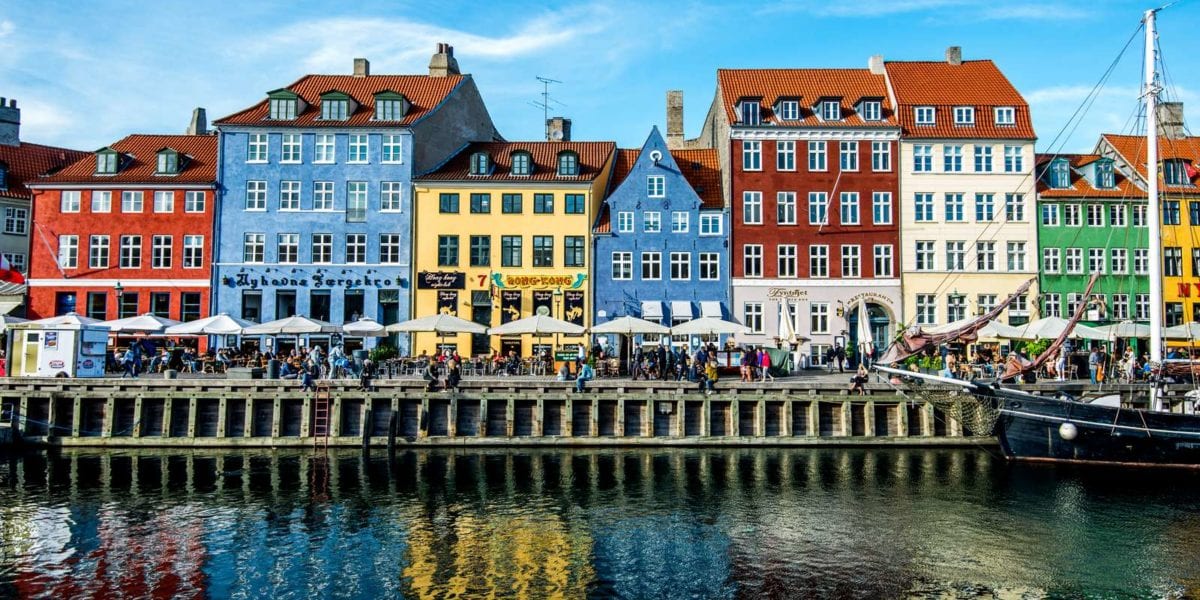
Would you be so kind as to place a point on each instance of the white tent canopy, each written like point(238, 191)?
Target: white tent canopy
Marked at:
point(1049, 328)
point(147, 323)
point(67, 319)
point(294, 325)
point(709, 326)
point(6, 320)
point(220, 324)
point(537, 325)
point(1189, 331)
point(439, 324)
point(364, 327)
point(630, 326)
point(1126, 329)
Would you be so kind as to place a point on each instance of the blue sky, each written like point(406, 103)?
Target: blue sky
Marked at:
point(88, 73)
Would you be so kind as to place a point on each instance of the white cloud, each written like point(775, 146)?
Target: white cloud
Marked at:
point(942, 10)
point(7, 28)
point(1115, 109)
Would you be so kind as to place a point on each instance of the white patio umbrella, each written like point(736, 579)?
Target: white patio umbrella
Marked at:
point(630, 326)
point(537, 325)
point(67, 319)
point(364, 328)
point(1049, 328)
point(864, 327)
point(1189, 331)
point(221, 324)
point(294, 325)
point(146, 323)
point(786, 331)
point(439, 324)
point(1125, 329)
point(709, 326)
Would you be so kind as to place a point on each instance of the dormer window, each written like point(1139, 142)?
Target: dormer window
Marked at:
point(924, 115)
point(789, 110)
point(831, 110)
point(168, 162)
point(751, 112)
point(1060, 174)
point(964, 115)
point(522, 164)
point(481, 164)
point(872, 110)
point(568, 164)
point(1006, 115)
point(389, 106)
point(1175, 172)
point(284, 105)
point(1105, 178)
point(335, 106)
point(107, 161)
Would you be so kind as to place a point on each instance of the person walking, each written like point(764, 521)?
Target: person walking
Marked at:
point(1060, 364)
point(127, 362)
point(764, 363)
point(841, 358)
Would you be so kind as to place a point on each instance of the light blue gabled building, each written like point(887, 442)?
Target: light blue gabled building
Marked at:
point(315, 210)
point(661, 241)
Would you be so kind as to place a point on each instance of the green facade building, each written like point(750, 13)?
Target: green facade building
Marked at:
point(1091, 219)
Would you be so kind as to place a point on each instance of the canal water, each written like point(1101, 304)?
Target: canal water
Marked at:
point(660, 523)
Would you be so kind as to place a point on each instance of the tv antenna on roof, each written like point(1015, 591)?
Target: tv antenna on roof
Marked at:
point(546, 100)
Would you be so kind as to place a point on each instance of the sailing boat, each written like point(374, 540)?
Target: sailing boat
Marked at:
point(1061, 428)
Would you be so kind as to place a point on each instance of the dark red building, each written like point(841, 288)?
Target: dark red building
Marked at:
point(812, 156)
point(127, 230)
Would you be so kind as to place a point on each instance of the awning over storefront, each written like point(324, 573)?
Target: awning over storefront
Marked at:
point(12, 295)
point(710, 309)
point(681, 309)
point(652, 309)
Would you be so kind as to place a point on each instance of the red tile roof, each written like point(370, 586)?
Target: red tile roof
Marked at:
point(1081, 187)
point(423, 93)
point(808, 86)
point(703, 171)
point(977, 83)
point(1132, 148)
point(626, 158)
point(26, 162)
point(592, 158)
point(141, 161)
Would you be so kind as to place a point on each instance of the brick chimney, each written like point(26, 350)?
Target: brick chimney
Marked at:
point(558, 129)
point(199, 123)
point(1170, 120)
point(954, 55)
point(443, 63)
point(674, 119)
point(362, 67)
point(10, 123)
point(875, 64)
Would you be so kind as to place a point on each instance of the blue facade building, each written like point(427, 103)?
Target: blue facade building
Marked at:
point(661, 241)
point(315, 214)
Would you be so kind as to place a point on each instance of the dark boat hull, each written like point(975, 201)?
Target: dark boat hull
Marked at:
point(1030, 428)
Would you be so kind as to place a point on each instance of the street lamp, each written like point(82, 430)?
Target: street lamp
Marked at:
point(841, 309)
point(120, 294)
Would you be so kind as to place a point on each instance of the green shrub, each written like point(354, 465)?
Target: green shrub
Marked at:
point(382, 352)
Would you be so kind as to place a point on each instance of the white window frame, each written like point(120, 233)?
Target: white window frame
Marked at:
point(324, 199)
point(358, 142)
point(681, 266)
point(68, 251)
point(291, 148)
point(818, 206)
point(964, 115)
point(680, 221)
point(622, 266)
point(391, 197)
point(256, 196)
point(656, 186)
point(752, 208)
point(881, 208)
point(925, 255)
point(752, 261)
point(101, 201)
point(289, 196)
point(881, 157)
point(849, 209)
point(70, 201)
point(651, 221)
point(325, 152)
point(785, 155)
point(883, 261)
point(925, 115)
point(254, 247)
point(287, 241)
point(1016, 256)
point(710, 266)
point(818, 261)
point(1005, 115)
point(130, 252)
point(193, 251)
point(752, 316)
point(132, 201)
point(1052, 260)
point(785, 208)
point(257, 148)
point(651, 263)
point(162, 251)
point(751, 155)
point(851, 261)
point(848, 156)
point(707, 222)
point(392, 149)
point(625, 221)
point(787, 261)
point(922, 158)
point(818, 156)
point(99, 252)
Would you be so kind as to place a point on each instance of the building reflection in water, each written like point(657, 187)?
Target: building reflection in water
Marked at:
point(569, 524)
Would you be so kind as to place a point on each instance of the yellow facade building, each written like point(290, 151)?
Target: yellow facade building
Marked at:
point(502, 231)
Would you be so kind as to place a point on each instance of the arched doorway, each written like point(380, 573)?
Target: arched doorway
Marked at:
point(879, 322)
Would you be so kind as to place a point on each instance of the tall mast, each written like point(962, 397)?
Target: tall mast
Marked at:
point(1153, 213)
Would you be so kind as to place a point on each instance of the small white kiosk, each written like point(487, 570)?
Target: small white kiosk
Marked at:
point(67, 346)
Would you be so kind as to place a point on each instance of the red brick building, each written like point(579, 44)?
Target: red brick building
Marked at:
point(127, 230)
point(812, 156)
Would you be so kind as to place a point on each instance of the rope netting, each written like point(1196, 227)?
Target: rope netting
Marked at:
point(979, 415)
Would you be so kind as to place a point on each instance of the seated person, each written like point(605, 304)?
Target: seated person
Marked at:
point(586, 374)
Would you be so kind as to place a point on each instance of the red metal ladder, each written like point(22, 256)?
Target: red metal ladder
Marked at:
point(321, 408)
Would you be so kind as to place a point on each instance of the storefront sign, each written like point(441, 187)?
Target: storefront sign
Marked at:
point(573, 307)
point(447, 302)
point(510, 306)
point(441, 280)
point(538, 281)
point(873, 296)
point(543, 303)
point(318, 279)
point(786, 293)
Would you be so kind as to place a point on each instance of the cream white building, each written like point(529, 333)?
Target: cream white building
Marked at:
point(968, 233)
